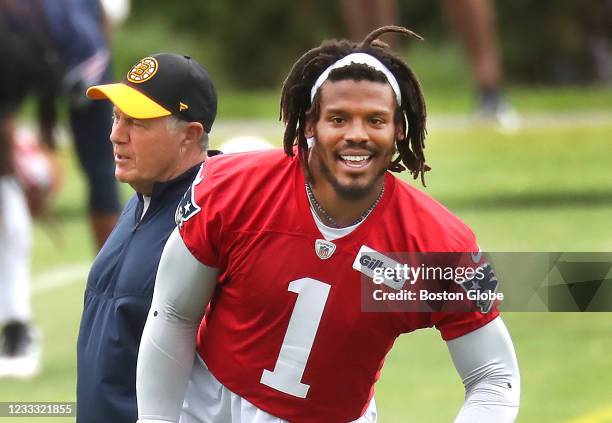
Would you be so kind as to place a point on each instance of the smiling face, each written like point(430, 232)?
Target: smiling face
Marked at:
point(146, 151)
point(355, 136)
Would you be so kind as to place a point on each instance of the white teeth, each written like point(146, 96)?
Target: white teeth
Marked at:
point(354, 158)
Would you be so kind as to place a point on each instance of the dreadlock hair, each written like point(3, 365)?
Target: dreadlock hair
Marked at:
point(295, 104)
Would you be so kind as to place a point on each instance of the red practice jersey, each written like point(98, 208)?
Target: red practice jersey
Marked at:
point(285, 329)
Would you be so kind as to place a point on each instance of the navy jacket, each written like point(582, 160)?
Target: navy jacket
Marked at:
point(117, 300)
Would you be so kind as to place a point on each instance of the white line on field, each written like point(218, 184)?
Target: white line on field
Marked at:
point(60, 276)
point(272, 129)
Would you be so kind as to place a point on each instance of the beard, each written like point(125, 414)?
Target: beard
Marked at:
point(353, 191)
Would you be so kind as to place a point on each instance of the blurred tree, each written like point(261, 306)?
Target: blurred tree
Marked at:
point(254, 43)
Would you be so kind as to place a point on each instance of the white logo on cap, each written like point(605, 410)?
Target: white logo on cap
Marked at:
point(143, 70)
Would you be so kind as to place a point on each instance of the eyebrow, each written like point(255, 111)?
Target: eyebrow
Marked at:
point(342, 111)
point(335, 111)
point(116, 111)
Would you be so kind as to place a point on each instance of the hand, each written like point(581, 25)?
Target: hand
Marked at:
point(37, 170)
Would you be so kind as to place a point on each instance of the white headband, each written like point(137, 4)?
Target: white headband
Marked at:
point(361, 58)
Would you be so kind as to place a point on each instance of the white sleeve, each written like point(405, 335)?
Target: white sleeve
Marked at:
point(486, 361)
point(183, 289)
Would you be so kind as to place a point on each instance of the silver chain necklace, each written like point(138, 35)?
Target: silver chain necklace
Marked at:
point(314, 203)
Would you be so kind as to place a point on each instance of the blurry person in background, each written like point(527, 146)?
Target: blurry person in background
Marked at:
point(62, 48)
point(19, 349)
point(474, 22)
point(51, 49)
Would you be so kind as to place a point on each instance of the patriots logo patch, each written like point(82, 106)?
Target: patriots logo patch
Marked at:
point(187, 208)
point(488, 285)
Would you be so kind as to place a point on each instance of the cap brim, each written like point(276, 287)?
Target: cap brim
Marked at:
point(130, 101)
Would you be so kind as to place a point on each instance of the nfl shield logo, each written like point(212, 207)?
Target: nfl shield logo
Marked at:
point(324, 249)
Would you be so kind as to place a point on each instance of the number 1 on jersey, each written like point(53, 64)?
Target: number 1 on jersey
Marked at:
point(303, 324)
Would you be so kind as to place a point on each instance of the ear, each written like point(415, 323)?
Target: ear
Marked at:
point(400, 129)
point(193, 133)
point(309, 128)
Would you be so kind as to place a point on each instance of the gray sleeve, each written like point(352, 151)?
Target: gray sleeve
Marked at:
point(486, 361)
point(183, 289)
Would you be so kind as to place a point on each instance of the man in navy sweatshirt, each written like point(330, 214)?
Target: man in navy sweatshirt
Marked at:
point(163, 112)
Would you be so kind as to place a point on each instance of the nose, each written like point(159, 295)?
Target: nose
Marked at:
point(356, 131)
point(119, 133)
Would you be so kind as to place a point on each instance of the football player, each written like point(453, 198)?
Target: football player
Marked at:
point(271, 251)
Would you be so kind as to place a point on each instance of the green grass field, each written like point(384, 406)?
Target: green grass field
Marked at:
point(547, 187)
point(541, 189)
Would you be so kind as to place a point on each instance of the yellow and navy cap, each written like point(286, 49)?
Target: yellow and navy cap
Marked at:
point(163, 84)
